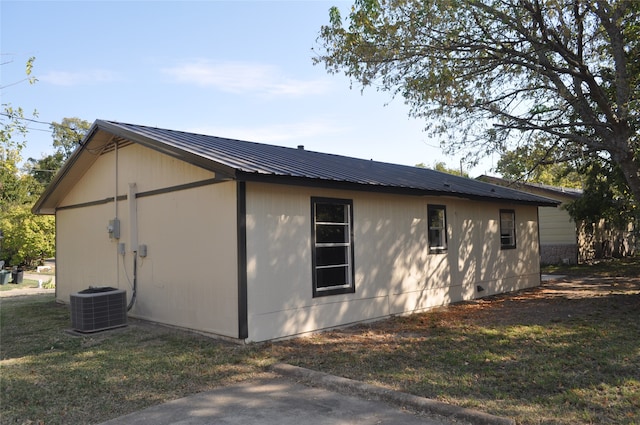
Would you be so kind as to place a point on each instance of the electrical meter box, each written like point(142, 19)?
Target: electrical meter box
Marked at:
point(114, 228)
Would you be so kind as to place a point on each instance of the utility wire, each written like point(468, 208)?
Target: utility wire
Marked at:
point(50, 124)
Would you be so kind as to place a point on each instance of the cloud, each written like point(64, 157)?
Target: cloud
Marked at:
point(67, 78)
point(242, 77)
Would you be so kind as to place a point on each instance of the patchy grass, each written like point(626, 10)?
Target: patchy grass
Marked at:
point(50, 376)
point(565, 353)
point(581, 369)
point(26, 283)
point(621, 267)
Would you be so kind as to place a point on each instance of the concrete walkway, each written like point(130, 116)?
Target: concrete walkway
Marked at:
point(273, 401)
point(17, 292)
point(301, 396)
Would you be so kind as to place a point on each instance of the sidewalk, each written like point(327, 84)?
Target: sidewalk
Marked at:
point(30, 291)
point(297, 395)
point(276, 401)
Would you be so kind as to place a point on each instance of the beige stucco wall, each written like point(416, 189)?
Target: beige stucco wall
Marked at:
point(84, 254)
point(189, 277)
point(394, 273)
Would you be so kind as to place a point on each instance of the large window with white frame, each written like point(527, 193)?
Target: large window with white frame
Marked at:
point(507, 229)
point(437, 217)
point(332, 246)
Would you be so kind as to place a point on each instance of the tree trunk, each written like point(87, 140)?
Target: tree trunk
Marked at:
point(631, 171)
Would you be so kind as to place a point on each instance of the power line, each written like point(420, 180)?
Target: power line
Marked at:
point(15, 83)
point(50, 124)
point(15, 117)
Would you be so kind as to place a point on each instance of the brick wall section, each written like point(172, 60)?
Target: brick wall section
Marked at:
point(559, 254)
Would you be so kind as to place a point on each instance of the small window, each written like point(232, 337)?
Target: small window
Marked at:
point(507, 229)
point(437, 228)
point(332, 246)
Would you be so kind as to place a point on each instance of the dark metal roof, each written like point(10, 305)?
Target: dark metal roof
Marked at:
point(553, 192)
point(258, 161)
point(249, 161)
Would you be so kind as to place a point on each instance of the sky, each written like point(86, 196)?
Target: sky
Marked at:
point(237, 69)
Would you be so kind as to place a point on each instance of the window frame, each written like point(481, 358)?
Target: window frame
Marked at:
point(349, 286)
point(511, 243)
point(443, 247)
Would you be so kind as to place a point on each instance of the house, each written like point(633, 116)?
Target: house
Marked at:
point(254, 242)
point(562, 240)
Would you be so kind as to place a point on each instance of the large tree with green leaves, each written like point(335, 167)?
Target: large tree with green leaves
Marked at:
point(15, 188)
point(526, 163)
point(27, 239)
point(493, 75)
point(67, 135)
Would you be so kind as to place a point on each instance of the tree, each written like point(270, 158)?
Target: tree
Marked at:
point(28, 238)
point(606, 196)
point(527, 163)
point(15, 188)
point(13, 120)
point(498, 74)
point(442, 167)
point(67, 135)
point(44, 169)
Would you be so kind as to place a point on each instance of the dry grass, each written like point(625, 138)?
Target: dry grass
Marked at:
point(565, 353)
point(50, 376)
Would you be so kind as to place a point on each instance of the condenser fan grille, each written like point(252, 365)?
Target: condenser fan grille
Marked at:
point(97, 309)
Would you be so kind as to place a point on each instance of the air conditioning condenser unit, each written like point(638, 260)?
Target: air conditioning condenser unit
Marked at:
point(97, 309)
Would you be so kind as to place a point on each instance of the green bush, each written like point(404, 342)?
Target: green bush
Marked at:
point(28, 238)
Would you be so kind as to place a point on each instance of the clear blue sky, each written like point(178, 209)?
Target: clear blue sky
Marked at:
point(238, 69)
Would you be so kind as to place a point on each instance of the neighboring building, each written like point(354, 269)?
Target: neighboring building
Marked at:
point(564, 241)
point(256, 242)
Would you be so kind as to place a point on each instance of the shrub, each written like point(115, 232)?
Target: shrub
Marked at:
point(28, 239)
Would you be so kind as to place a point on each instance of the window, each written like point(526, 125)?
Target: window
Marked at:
point(332, 246)
point(507, 229)
point(437, 228)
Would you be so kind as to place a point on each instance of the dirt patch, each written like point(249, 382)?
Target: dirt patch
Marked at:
point(553, 301)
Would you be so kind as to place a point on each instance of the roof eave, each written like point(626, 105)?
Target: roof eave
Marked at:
point(181, 154)
point(395, 190)
point(550, 192)
point(38, 206)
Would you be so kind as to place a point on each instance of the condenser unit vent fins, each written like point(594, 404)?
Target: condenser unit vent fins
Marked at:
point(97, 309)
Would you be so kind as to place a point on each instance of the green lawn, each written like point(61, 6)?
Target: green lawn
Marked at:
point(629, 267)
point(539, 356)
point(26, 283)
point(51, 376)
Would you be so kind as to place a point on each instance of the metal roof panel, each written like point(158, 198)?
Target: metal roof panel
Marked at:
point(262, 162)
point(270, 160)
